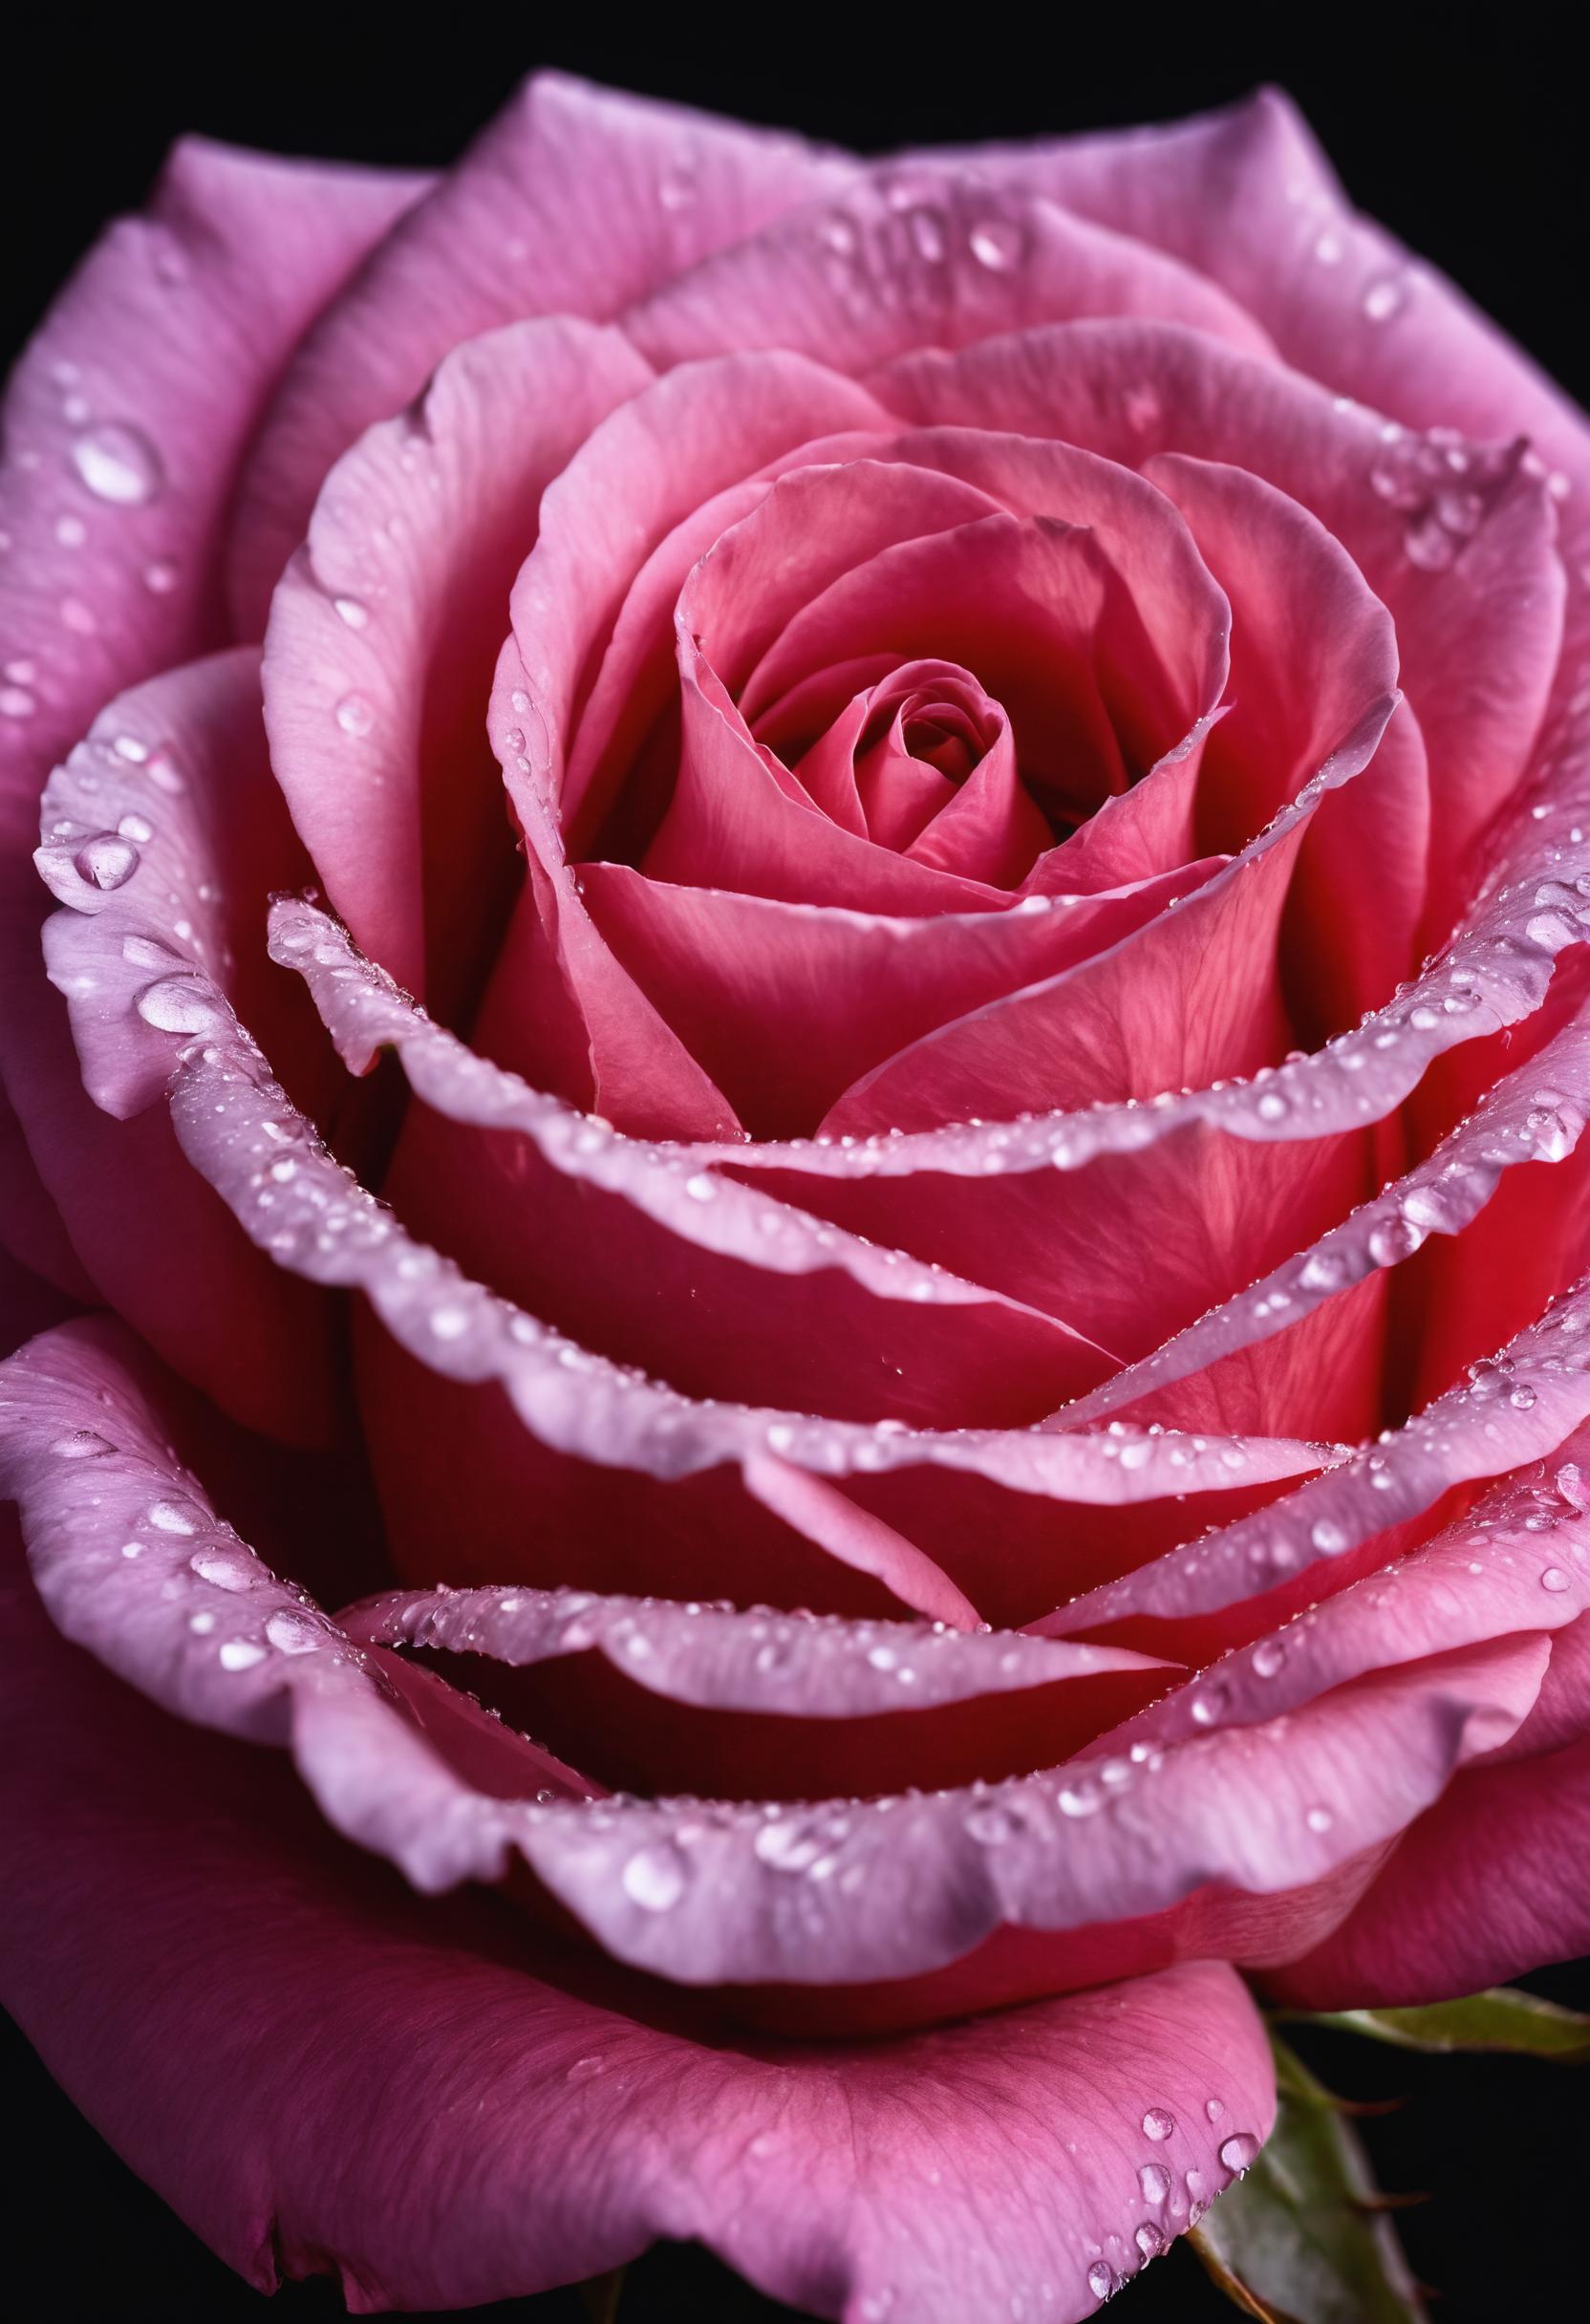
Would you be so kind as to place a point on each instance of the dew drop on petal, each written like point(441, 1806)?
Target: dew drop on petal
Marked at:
point(180, 1004)
point(106, 861)
point(170, 1517)
point(1238, 2151)
point(1155, 2182)
point(655, 1878)
point(117, 463)
point(81, 1443)
point(241, 1654)
point(355, 714)
point(292, 1633)
point(1158, 2124)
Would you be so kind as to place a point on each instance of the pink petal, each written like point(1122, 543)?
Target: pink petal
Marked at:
point(1246, 198)
point(585, 1416)
point(701, 1893)
point(1474, 585)
point(664, 1697)
point(788, 1004)
point(920, 258)
point(164, 832)
point(566, 1214)
point(385, 627)
point(124, 423)
point(680, 443)
point(261, 1971)
point(575, 201)
point(1192, 996)
point(1305, 633)
point(1523, 1118)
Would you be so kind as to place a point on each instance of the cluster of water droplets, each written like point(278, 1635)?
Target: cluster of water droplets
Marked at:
point(1443, 487)
point(167, 1531)
point(923, 244)
point(716, 1653)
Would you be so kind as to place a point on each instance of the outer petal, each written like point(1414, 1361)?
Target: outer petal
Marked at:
point(575, 201)
point(1246, 198)
point(123, 426)
point(164, 832)
point(921, 259)
point(1487, 1886)
point(295, 2041)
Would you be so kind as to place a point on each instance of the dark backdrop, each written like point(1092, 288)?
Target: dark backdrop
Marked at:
point(1470, 147)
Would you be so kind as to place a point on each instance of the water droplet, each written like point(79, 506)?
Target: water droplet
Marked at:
point(1555, 1579)
point(161, 576)
point(106, 861)
point(117, 463)
point(1319, 1819)
point(1328, 1537)
point(292, 1633)
point(1158, 2124)
point(81, 1443)
point(585, 2070)
point(1268, 1657)
point(996, 243)
point(136, 827)
point(1155, 2182)
point(1214, 2108)
point(700, 1188)
point(989, 1825)
point(16, 702)
point(656, 1878)
point(352, 612)
point(1100, 2279)
point(1149, 2239)
point(1394, 1240)
point(171, 1516)
point(1238, 2151)
point(220, 1571)
point(1383, 299)
point(1081, 1799)
point(1272, 1106)
point(180, 1004)
point(355, 714)
point(241, 1654)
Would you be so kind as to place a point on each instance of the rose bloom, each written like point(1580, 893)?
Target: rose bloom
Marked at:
point(958, 788)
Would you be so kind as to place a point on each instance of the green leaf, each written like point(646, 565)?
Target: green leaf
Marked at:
point(1501, 2020)
point(600, 2298)
point(1304, 2239)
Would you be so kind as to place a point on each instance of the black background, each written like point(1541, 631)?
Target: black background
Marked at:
point(1468, 143)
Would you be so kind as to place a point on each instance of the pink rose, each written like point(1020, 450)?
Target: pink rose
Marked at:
point(979, 1086)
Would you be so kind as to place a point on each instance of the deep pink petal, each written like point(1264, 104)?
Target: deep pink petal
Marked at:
point(788, 1004)
point(1463, 558)
point(566, 1214)
point(385, 628)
